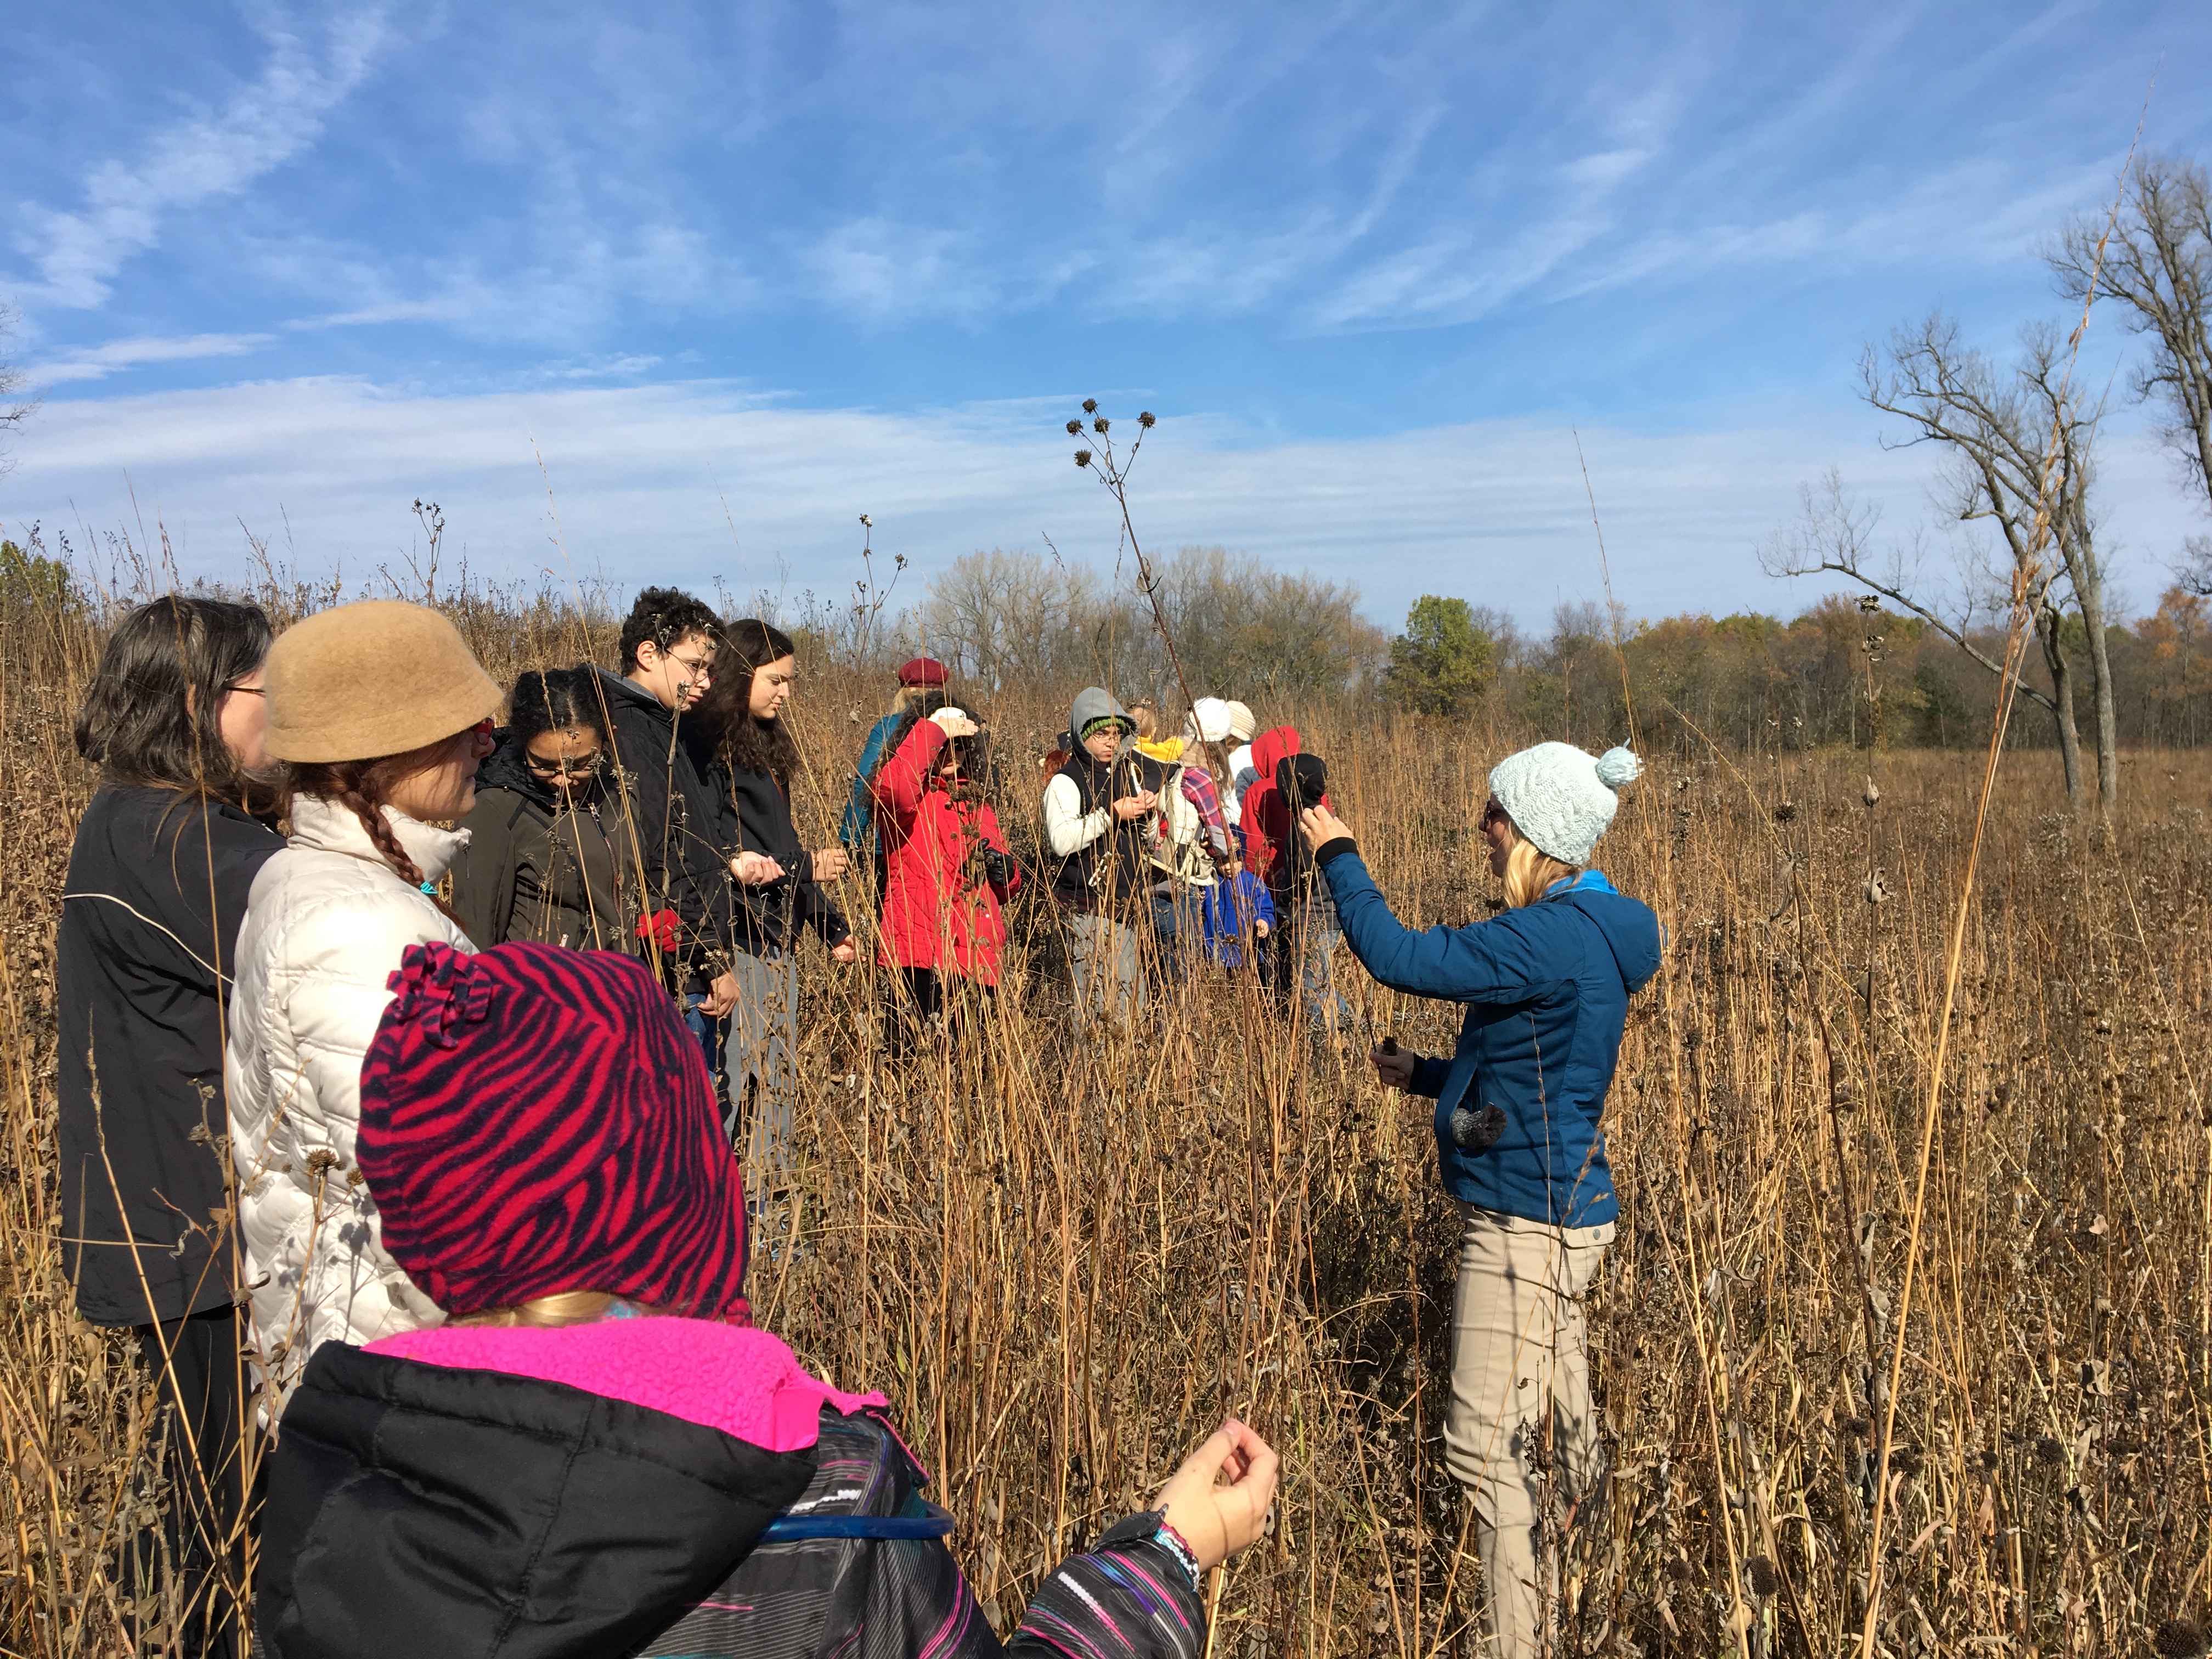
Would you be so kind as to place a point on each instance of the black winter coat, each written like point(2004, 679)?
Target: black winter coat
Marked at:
point(756, 816)
point(157, 885)
point(416, 1508)
point(537, 868)
point(670, 824)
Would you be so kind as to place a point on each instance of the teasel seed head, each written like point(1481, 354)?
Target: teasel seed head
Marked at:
point(1074, 427)
point(2048, 1452)
point(1758, 1572)
point(2177, 1638)
point(1098, 425)
point(1146, 420)
point(1083, 458)
point(1091, 405)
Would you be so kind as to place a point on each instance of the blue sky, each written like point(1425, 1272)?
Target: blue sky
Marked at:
point(682, 297)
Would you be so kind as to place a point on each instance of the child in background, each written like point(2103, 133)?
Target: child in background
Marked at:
point(1240, 913)
point(597, 1452)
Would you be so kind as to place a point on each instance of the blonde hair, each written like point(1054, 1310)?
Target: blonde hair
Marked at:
point(551, 1312)
point(1146, 719)
point(1530, 872)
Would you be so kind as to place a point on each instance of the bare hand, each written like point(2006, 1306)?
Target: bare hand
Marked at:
point(1259, 930)
point(1318, 826)
point(755, 869)
point(1217, 1522)
point(830, 863)
point(1136, 805)
point(847, 953)
point(961, 727)
point(722, 996)
point(1396, 1071)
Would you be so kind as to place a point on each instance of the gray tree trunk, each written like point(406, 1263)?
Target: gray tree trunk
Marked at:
point(2049, 620)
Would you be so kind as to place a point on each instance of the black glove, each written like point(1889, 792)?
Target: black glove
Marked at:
point(999, 869)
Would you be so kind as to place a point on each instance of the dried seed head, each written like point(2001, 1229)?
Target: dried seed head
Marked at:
point(1091, 405)
point(1083, 458)
point(1858, 1428)
point(1988, 1460)
point(1147, 420)
point(1678, 1570)
point(2177, 1638)
point(1784, 810)
point(2048, 1452)
point(1074, 427)
point(1869, 604)
point(1904, 1459)
point(1758, 1572)
point(1098, 425)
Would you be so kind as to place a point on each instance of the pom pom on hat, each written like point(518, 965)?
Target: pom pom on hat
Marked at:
point(1562, 799)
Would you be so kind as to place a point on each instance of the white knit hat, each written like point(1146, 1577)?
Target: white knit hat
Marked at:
point(1241, 723)
point(1560, 798)
point(1208, 722)
point(946, 715)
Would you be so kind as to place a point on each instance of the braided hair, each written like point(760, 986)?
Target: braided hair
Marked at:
point(363, 787)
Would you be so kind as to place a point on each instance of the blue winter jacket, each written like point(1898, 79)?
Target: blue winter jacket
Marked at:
point(857, 834)
point(1547, 988)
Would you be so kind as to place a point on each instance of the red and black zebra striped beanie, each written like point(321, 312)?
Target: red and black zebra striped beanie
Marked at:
point(537, 1120)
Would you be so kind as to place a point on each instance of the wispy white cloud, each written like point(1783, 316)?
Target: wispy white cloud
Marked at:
point(97, 363)
point(1493, 510)
point(76, 252)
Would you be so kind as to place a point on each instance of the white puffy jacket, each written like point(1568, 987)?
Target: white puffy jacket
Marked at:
point(324, 926)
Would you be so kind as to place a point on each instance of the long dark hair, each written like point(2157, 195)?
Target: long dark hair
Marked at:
point(553, 699)
point(153, 717)
point(725, 714)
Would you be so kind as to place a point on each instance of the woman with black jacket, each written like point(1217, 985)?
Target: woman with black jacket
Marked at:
point(158, 880)
point(542, 861)
point(779, 890)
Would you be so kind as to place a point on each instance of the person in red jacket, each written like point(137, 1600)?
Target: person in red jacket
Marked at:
point(947, 867)
point(1302, 963)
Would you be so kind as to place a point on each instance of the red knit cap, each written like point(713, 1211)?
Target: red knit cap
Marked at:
point(922, 671)
point(536, 1120)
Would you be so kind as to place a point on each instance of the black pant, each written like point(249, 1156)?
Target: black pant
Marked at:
point(204, 1397)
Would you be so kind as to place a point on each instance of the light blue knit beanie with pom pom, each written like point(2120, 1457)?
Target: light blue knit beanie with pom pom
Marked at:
point(1562, 799)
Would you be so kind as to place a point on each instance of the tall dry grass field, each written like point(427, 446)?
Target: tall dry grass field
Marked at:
point(1065, 1253)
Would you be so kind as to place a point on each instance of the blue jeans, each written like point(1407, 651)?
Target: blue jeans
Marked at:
point(703, 1026)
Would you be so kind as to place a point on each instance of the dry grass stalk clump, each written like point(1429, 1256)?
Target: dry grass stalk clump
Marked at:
point(1065, 1253)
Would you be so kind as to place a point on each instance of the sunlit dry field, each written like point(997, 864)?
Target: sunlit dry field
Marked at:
point(1064, 1253)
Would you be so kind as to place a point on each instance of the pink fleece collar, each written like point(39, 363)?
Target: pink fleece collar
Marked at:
point(732, 1377)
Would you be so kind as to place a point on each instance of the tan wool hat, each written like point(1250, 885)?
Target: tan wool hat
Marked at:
point(1240, 721)
point(378, 678)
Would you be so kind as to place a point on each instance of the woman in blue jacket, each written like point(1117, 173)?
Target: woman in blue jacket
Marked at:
point(1519, 1109)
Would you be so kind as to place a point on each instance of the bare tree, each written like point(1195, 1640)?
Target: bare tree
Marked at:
point(2157, 262)
point(1836, 534)
point(2019, 448)
point(13, 414)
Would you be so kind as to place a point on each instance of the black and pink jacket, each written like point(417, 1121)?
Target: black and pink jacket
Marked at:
point(648, 1487)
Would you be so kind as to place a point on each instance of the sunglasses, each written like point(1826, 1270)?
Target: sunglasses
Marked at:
point(567, 766)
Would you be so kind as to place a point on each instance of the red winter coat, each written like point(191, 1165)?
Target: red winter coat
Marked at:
point(937, 901)
point(1267, 813)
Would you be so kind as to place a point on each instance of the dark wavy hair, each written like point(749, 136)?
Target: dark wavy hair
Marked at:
point(974, 753)
point(552, 700)
point(152, 719)
point(667, 617)
point(725, 714)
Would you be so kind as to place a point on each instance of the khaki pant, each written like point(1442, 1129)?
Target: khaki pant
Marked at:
point(1521, 1400)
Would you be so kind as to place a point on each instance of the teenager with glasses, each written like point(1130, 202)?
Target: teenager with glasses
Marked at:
point(165, 856)
point(543, 860)
point(668, 816)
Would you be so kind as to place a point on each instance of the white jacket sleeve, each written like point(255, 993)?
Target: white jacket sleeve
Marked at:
point(1067, 828)
point(1183, 822)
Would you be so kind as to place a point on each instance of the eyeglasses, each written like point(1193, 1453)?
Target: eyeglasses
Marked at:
point(567, 766)
point(695, 667)
point(247, 690)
